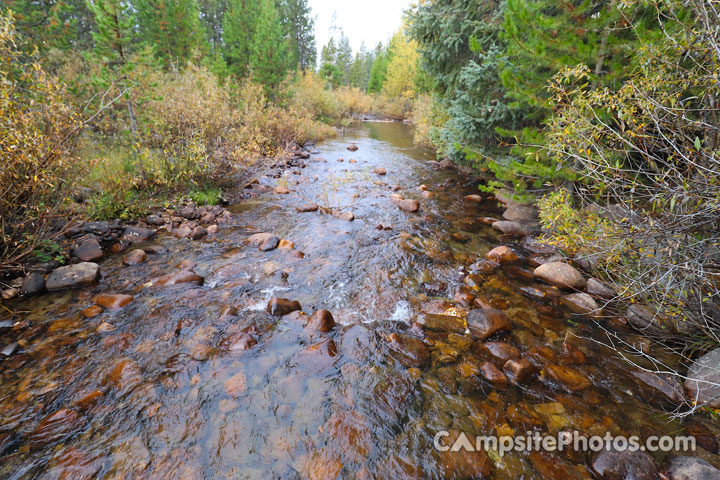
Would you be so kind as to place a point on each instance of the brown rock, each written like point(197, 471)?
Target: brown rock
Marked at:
point(510, 228)
point(124, 375)
point(379, 171)
point(239, 341)
point(580, 303)
point(88, 398)
point(258, 238)
point(198, 233)
point(183, 276)
point(135, 257)
point(501, 254)
point(569, 377)
point(322, 321)
point(474, 198)
point(281, 190)
point(55, 427)
point(560, 274)
point(113, 300)
point(571, 355)
point(212, 229)
point(441, 323)
point(74, 464)
point(282, 306)
point(88, 251)
point(410, 351)
point(92, 311)
point(70, 276)
point(521, 213)
point(445, 164)
point(352, 147)
point(236, 385)
point(596, 288)
point(183, 231)
point(492, 373)
point(323, 465)
point(137, 234)
point(624, 465)
point(484, 267)
point(409, 205)
point(270, 243)
point(503, 351)
point(308, 207)
point(519, 371)
point(463, 464)
point(658, 386)
point(483, 322)
point(460, 237)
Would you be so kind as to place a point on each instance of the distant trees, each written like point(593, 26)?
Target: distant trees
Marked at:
point(299, 27)
point(172, 27)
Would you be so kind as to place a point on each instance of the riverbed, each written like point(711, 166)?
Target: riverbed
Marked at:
point(153, 389)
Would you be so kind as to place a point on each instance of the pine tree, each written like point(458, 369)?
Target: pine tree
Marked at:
point(328, 64)
point(239, 26)
point(299, 27)
point(344, 58)
point(172, 27)
point(378, 71)
point(53, 23)
point(212, 13)
point(271, 58)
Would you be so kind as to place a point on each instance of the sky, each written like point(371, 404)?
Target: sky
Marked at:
point(371, 21)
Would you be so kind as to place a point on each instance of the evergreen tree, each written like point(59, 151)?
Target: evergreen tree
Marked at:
point(355, 78)
point(271, 58)
point(172, 27)
point(299, 27)
point(53, 23)
point(378, 71)
point(328, 64)
point(212, 13)
point(239, 26)
point(344, 58)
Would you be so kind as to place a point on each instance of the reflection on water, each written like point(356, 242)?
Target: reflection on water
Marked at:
point(173, 385)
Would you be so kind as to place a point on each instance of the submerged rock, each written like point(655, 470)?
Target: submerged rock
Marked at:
point(282, 306)
point(483, 322)
point(183, 276)
point(519, 371)
point(569, 377)
point(410, 351)
point(322, 321)
point(624, 465)
point(501, 254)
point(691, 468)
point(492, 373)
point(55, 427)
point(379, 171)
point(308, 207)
point(135, 257)
point(665, 387)
point(113, 300)
point(409, 205)
point(70, 276)
point(560, 274)
point(269, 243)
point(580, 303)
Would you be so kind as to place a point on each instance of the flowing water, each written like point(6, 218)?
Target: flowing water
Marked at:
point(155, 393)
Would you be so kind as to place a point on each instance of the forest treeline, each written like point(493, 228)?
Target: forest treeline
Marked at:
point(607, 114)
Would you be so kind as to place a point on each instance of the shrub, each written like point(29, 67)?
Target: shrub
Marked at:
point(37, 143)
point(428, 117)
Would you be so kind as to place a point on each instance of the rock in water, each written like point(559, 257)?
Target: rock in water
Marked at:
point(70, 276)
point(410, 351)
point(501, 254)
point(483, 322)
point(580, 303)
point(183, 276)
point(55, 427)
point(510, 228)
point(624, 465)
point(352, 147)
point(409, 205)
point(33, 284)
point(135, 257)
point(379, 171)
point(560, 274)
point(691, 468)
point(703, 380)
point(270, 243)
point(282, 306)
point(113, 300)
point(88, 251)
point(137, 234)
point(322, 321)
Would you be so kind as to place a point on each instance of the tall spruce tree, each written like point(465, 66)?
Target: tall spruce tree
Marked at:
point(299, 26)
point(271, 57)
point(239, 26)
point(172, 27)
point(328, 64)
point(212, 13)
point(53, 23)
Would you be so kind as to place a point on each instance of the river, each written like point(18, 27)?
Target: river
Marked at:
point(156, 392)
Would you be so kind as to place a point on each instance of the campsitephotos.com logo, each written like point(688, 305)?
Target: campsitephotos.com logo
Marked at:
point(534, 441)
